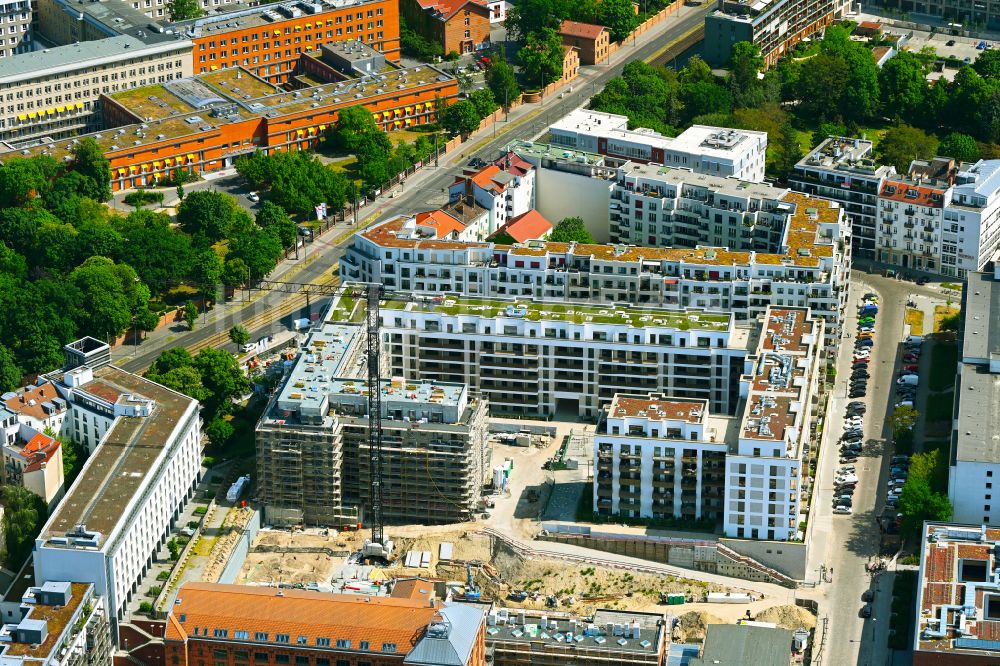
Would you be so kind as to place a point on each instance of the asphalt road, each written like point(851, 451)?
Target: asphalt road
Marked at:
point(421, 190)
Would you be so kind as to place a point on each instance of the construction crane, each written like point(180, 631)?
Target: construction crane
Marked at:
point(379, 547)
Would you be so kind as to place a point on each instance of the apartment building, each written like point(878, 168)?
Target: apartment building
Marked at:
point(238, 623)
point(108, 526)
point(32, 459)
point(592, 41)
point(539, 358)
point(56, 93)
point(957, 616)
point(505, 188)
point(768, 463)
point(776, 27)
point(660, 458)
point(518, 636)
point(974, 460)
point(843, 169)
point(313, 447)
point(975, 17)
point(460, 26)
point(17, 38)
point(806, 265)
point(57, 623)
point(711, 150)
point(204, 123)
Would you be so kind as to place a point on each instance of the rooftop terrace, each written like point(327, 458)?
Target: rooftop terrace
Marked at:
point(57, 617)
point(119, 467)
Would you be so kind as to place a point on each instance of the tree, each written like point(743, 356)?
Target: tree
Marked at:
point(171, 359)
point(89, 161)
point(235, 273)
point(502, 82)
point(110, 295)
point(271, 215)
point(206, 272)
point(10, 374)
point(571, 229)
point(222, 375)
point(22, 520)
point(529, 16)
point(239, 335)
point(175, 551)
point(208, 216)
point(745, 63)
point(791, 151)
point(354, 126)
point(704, 97)
point(541, 57)
point(918, 503)
point(987, 65)
point(160, 255)
point(696, 71)
point(618, 16)
point(21, 180)
point(460, 118)
point(186, 380)
point(484, 102)
point(219, 432)
point(182, 10)
point(903, 86)
point(903, 144)
point(821, 84)
point(416, 46)
point(960, 146)
point(190, 314)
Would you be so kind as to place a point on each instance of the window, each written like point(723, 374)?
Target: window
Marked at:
point(341, 643)
point(281, 659)
point(364, 645)
point(239, 633)
point(391, 647)
point(301, 660)
point(260, 656)
point(325, 642)
point(303, 640)
point(282, 638)
point(260, 635)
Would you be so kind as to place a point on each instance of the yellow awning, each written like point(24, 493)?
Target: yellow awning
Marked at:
point(79, 105)
point(31, 115)
point(430, 105)
point(322, 127)
point(132, 169)
point(157, 164)
point(121, 172)
point(298, 28)
point(397, 123)
point(191, 157)
point(300, 132)
point(408, 122)
point(47, 112)
point(215, 67)
point(60, 109)
point(22, 117)
point(168, 160)
point(398, 112)
point(409, 109)
point(277, 32)
point(419, 107)
point(309, 25)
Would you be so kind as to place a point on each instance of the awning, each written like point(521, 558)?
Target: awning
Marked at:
point(22, 117)
point(79, 105)
point(309, 25)
point(132, 169)
point(49, 112)
point(419, 107)
point(430, 105)
point(300, 132)
point(215, 67)
point(409, 109)
point(298, 28)
point(157, 164)
point(277, 32)
point(61, 109)
point(121, 172)
point(669, 281)
point(168, 161)
point(322, 127)
point(397, 123)
point(312, 130)
point(398, 112)
point(31, 115)
point(408, 122)
point(191, 157)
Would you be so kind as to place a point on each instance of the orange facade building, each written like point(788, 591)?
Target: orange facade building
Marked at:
point(462, 26)
point(204, 123)
point(268, 40)
point(234, 625)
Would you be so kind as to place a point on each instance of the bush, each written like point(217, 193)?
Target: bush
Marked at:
point(201, 511)
point(146, 607)
point(154, 591)
point(163, 575)
point(207, 461)
point(142, 197)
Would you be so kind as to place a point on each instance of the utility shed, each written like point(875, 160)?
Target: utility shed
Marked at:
point(746, 644)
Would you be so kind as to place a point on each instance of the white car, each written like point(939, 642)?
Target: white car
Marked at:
point(843, 510)
point(253, 196)
point(853, 422)
point(847, 478)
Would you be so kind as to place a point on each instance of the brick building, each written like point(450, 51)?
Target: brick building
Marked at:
point(592, 41)
point(204, 123)
point(462, 26)
point(235, 624)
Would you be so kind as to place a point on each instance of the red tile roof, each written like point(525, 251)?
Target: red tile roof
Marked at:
point(445, 9)
point(582, 30)
point(514, 164)
point(441, 222)
point(918, 195)
point(21, 404)
point(525, 227)
point(38, 450)
point(378, 620)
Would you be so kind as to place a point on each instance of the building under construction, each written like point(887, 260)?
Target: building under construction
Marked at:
point(313, 445)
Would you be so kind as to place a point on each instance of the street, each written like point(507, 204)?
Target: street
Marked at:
point(423, 190)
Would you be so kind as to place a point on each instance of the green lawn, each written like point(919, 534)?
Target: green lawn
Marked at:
point(944, 364)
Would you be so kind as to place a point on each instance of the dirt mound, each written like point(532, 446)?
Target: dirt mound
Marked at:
point(691, 626)
point(789, 617)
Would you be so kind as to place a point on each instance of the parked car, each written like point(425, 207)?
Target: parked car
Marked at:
point(914, 339)
point(913, 367)
point(857, 403)
point(869, 595)
point(912, 380)
point(842, 510)
point(856, 394)
point(866, 611)
point(847, 478)
point(253, 196)
point(922, 280)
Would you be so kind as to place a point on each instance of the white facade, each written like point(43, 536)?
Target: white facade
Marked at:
point(498, 10)
point(659, 458)
point(505, 192)
point(716, 151)
point(108, 538)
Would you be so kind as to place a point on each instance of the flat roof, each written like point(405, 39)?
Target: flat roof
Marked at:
point(851, 155)
point(73, 57)
point(658, 408)
point(230, 18)
point(325, 355)
point(978, 424)
point(553, 152)
point(57, 619)
point(119, 467)
point(633, 631)
point(981, 317)
point(746, 644)
point(576, 313)
point(958, 598)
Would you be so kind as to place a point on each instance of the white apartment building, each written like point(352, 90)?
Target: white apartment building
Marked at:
point(715, 151)
point(505, 188)
point(55, 93)
point(108, 526)
point(768, 461)
point(537, 358)
point(658, 457)
point(974, 473)
point(806, 265)
point(843, 169)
